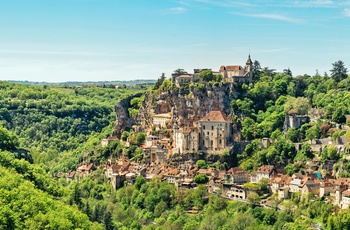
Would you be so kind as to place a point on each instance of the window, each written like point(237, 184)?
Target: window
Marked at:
point(212, 127)
point(203, 126)
point(208, 133)
point(211, 143)
point(220, 141)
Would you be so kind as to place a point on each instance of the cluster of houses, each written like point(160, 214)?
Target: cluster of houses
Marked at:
point(230, 182)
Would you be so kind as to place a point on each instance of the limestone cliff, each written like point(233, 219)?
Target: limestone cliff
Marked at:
point(186, 106)
point(123, 119)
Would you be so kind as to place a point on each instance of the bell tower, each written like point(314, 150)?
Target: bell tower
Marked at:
point(249, 68)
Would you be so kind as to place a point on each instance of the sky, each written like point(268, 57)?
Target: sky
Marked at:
point(108, 40)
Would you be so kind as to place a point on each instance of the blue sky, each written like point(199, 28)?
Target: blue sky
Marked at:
point(94, 40)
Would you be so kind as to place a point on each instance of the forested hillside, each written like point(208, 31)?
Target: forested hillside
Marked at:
point(55, 122)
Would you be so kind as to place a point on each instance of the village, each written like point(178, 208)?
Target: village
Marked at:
point(216, 133)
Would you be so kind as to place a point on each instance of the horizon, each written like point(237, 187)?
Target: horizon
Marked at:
point(90, 40)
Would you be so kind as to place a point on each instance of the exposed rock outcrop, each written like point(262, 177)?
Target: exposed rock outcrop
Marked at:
point(123, 119)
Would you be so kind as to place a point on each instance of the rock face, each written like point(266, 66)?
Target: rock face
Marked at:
point(186, 106)
point(123, 119)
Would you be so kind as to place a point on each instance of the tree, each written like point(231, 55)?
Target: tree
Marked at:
point(140, 138)
point(292, 134)
point(140, 180)
point(256, 70)
point(201, 164)
point(299, 105)
point(125, 135)
point(219, 77)
point(312, 133)
point(206, 75)
point(339, 72)
point(7, 140)
point(253, 198)
point(305, 153)
point(159, 82)
point(339, 115)
point(287, 72)
point(268, 72)
point(201, 179)
point(264, 185)
point(180, 71)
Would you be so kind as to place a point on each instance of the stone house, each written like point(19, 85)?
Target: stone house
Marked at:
point(265, 171)
point(236, 176)
point(172, 176)
point(279, 181)
point(85, 169)
point(185, 140)
point(160, 120)
point(308, 185)
point(345, 201)
point(215, 131)
point(237, 192)
point(183, 79)
point(158, 154)
point(326, 188)
point(294, 185)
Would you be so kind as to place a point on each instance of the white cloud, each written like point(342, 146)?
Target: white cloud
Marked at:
point(271, 16)
point(175, 10)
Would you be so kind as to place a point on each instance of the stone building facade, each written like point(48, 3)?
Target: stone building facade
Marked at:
point(237, 73)
point(215, 131)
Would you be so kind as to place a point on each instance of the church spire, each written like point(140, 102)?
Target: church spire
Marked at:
point(249, 61)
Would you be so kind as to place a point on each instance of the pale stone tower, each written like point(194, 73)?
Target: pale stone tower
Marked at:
point(249, 66)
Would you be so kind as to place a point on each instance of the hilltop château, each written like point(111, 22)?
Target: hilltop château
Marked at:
point(230, 73)
point(236, 73)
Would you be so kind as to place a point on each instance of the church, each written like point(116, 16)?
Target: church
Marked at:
point(214, 133)
point(237, 73)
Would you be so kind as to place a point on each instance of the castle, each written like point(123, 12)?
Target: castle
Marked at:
point(230, 73)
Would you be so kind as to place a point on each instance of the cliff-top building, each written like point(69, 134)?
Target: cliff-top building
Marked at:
point(230, 73)
point(237, 73)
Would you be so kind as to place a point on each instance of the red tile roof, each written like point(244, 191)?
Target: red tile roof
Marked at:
point(234, 67)
point(266, 168)
point(215, 116)
point(237, 170)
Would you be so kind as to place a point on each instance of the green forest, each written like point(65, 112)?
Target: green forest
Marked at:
point(47, 129)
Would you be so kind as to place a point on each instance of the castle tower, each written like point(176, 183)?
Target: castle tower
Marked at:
point(249, 65)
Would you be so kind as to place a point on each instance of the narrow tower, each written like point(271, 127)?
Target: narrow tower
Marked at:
point(249, 68)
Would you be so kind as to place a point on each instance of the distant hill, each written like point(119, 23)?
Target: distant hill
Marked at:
point(74, 83)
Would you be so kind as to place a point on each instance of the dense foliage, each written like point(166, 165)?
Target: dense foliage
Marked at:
point(55, 122)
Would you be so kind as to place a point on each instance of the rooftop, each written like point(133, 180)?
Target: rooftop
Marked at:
point(215, 115)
